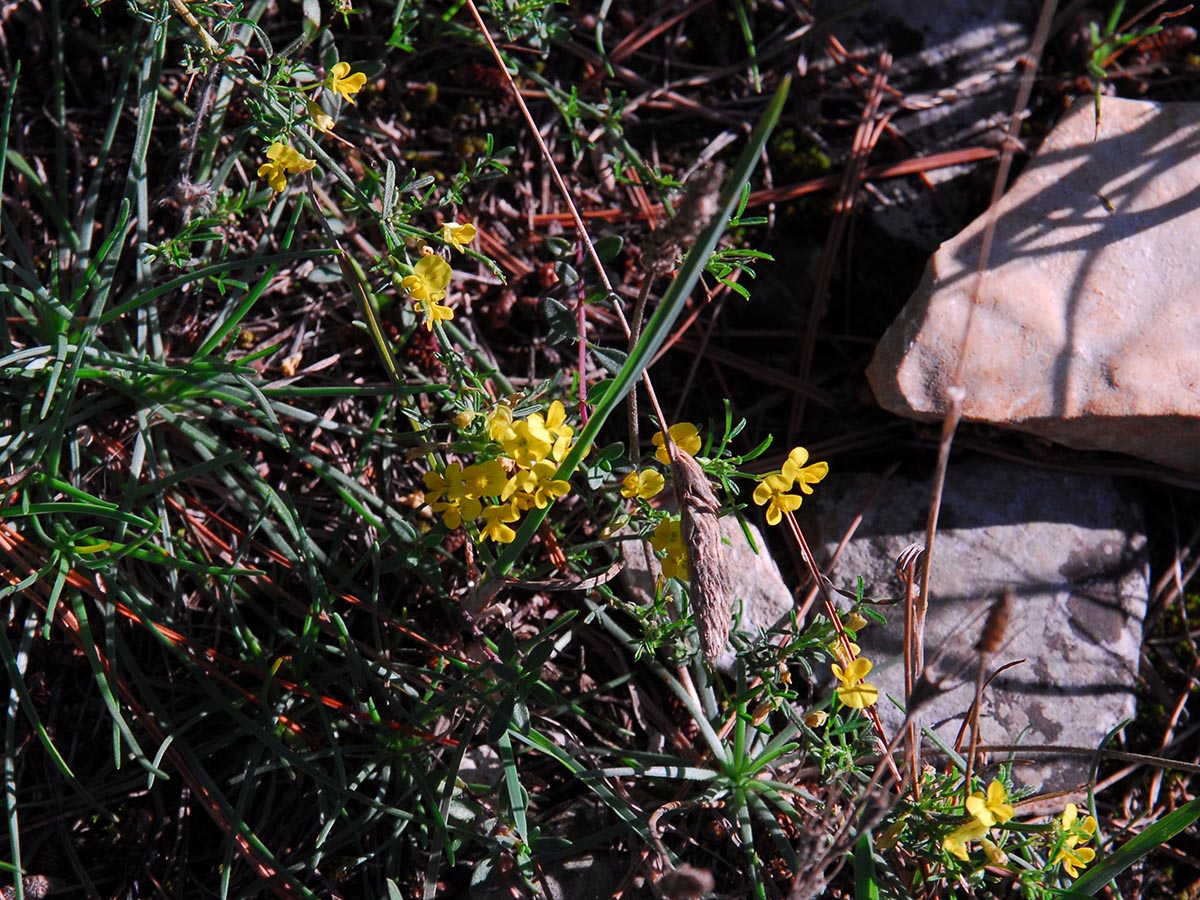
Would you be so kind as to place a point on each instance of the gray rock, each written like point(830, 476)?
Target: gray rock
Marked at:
point(1085, 328)
point(1071, 549)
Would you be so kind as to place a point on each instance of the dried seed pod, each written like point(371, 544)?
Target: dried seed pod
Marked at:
point(995, 625)
point(710, 591)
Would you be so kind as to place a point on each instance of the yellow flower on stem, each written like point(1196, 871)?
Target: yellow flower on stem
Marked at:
point(772, 493)
point(773, 490)
point(537, 482)
point(684, 435)
point(458, 236)
point(852, 691)
point(554, 425)
point(321, 120)
point(795, 470)
point(342, 81)
point(433, 312)
point(668, 538)
point(992, 809)
point(448, 494)
point(644, 484)
point(854, 622)
point(495, 518)
point(486, 479)
point(284, 161)
point(429, 279)
point(1073, 856)
point(995, 855)
point(500, 424)
point(955, 842)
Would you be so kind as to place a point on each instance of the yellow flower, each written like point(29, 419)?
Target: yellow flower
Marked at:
point(852, 690)
point(668, 538)
point(342, 81)
point(284, 161)
point(644, 484)
point(816, 718)
point(537, 482)
point(956, 841)
point(1075, 858)
point(433, 312)
point(1071, 855)
point(795, 470)
point(529, 443)
point(772, 493)
point(685, 436)
point(554, 427)
point(995, 855)
point(428, 282)
point(500, 424)
point(839, 652)
point(855, 622)
point(992, 809)
point(448, 494)
point(322, 121)
point(484, 480)
point(494, 519)
point(458, 236)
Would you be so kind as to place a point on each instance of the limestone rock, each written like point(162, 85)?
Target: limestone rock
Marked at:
point(1086, 326)
point(1071, 549)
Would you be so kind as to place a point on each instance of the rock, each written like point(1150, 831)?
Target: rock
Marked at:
point(759, 591)
point(1086, 326)
point(1072, 551)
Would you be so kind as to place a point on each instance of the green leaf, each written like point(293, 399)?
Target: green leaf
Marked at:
point(610, 359)
point(866, 887)
point(561, 321)
point(609, 246)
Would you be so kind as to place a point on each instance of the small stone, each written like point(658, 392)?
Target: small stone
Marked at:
point(1086, 327)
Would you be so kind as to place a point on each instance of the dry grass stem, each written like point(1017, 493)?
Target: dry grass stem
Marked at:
point(710, 592)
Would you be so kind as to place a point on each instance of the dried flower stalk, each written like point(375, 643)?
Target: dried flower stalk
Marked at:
point(699, 518)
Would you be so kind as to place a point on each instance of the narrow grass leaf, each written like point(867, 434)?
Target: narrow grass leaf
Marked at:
point(866, 883)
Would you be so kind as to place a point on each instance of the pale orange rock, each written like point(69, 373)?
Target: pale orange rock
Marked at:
point(1087, 330)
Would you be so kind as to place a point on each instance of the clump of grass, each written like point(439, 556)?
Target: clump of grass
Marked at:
point(279, 527)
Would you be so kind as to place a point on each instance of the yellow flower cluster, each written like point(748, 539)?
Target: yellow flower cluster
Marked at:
point(282, 158)
point(985, 810)
point(431, 275)
point(1071, 853)
point(643, 484)
point(772, 491)
point(992, 809)
point(498, 494)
